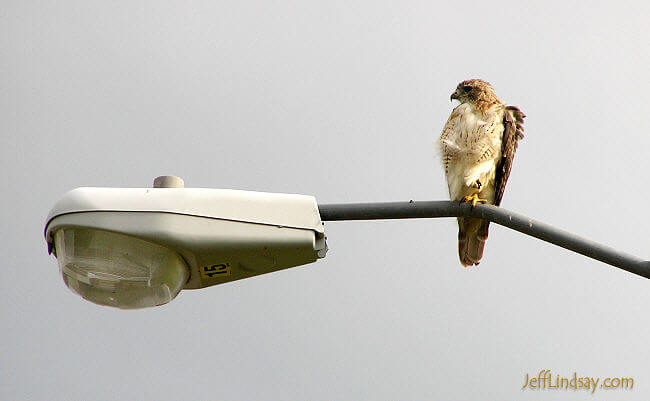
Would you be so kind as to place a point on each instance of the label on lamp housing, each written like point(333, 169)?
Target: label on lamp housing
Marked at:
point(216, 270)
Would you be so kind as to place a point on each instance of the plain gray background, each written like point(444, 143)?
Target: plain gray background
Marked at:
point(343, 101)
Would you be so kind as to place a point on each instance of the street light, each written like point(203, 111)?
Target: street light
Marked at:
point(138, 247)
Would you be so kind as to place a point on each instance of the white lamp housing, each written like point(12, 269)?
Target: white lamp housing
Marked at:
point(138, 247)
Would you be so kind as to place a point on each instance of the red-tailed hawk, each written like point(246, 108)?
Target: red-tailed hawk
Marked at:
point(478, 145)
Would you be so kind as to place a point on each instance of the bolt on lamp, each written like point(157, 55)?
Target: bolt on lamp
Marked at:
point(138, 247)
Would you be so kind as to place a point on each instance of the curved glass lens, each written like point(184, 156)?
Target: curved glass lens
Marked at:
point(118, 270)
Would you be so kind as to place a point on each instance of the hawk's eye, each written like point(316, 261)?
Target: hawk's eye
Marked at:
point(467, 88)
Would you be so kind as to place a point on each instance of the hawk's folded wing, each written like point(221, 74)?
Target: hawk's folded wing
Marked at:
point(513, 120)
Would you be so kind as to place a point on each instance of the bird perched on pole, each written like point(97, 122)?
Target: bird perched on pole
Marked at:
point(478, 145)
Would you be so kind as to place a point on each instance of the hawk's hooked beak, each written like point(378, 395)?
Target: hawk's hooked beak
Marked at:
point(454, 95)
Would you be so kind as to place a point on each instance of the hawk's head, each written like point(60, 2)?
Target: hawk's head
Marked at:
point(475, 91)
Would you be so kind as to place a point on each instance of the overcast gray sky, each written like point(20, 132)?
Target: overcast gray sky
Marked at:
point(343, 101)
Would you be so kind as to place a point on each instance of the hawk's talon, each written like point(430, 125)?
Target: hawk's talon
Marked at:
point(474, 199)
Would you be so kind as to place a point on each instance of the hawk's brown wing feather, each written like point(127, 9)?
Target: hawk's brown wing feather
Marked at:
point(513, 120)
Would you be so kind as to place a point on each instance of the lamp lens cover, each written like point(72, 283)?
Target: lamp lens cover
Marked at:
point(118, 270)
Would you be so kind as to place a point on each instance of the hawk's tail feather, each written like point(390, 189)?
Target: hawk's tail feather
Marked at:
point(472, 234)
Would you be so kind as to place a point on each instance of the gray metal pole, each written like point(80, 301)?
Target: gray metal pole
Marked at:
point(523, 224)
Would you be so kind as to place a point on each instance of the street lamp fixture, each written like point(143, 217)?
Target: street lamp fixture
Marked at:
point(138, 247)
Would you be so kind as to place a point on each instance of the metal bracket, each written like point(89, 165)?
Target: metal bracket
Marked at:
point(498, 215)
